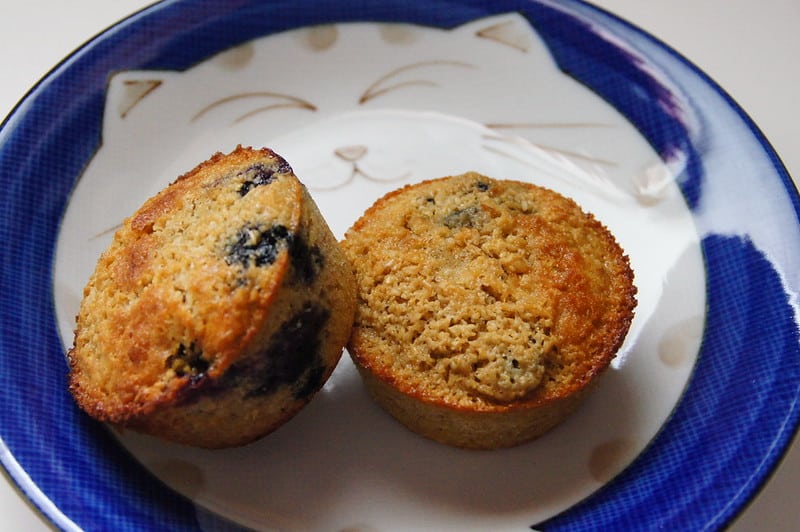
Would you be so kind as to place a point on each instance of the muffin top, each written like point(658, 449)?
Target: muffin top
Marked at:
point(484, 294)
point(185, 284)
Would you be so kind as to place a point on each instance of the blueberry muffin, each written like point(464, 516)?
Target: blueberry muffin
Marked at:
point(486, 308)
point(220, 308)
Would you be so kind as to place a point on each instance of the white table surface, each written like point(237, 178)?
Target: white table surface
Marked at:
point(750, 48)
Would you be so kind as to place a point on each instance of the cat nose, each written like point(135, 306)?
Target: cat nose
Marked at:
point(351, 153)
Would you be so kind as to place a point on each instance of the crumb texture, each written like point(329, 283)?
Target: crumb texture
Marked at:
point(480, 293)
point(224, 292)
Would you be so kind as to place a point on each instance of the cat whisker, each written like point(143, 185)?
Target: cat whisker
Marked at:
point(375, 88)
point(498, 151)
point(576, 155)
point(105, 232)
point(550, 149)
point(572, 174)
point(548, 125)
point(290, 101)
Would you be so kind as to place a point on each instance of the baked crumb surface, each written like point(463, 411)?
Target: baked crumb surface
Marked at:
point(166, 286)
point(221, 306)
point(479, 293)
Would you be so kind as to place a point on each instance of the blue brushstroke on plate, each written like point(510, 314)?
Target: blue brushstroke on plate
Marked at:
point(749, 362)
point(619, 74)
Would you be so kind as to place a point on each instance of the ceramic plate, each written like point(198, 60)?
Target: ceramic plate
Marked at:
point(362, 98)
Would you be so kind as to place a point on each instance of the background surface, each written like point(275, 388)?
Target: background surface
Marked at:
point(749, 48)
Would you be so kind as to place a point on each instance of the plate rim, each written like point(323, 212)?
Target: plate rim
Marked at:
point(789, 186)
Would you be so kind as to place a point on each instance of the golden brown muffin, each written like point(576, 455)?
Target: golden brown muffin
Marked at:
point(219, 309)
point(486, 307)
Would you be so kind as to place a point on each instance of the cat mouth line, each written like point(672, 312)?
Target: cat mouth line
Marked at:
point(357, 171)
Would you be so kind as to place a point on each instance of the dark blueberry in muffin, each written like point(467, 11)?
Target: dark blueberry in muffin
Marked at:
point(255, 245)
point(306, 260)
point(292, 358)
point(259, 175)
point(466, 217)
point(189, 361)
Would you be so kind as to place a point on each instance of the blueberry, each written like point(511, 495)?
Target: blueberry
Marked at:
point(259, 175)
point(292, 358)
point(466, 217)
point(482, 186)
point(307, 260)
point(189, 361)
point(256, 245)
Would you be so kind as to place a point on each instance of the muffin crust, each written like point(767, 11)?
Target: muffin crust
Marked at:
point(486, 307)
point(220, 308)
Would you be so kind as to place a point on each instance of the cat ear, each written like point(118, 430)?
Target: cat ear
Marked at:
point(126, 91)
point(510, 30)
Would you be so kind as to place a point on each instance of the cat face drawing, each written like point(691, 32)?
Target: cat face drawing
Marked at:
point(361, 109)
point(358, 110)
point(395, 101)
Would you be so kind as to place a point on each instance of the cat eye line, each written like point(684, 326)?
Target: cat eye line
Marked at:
point(376, 89)
point(288, 102)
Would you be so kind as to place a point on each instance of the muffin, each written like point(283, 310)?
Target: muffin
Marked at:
point(218, 311)
point(486, 308)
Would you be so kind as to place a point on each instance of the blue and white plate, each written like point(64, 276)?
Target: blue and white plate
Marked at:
point(361, 98)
